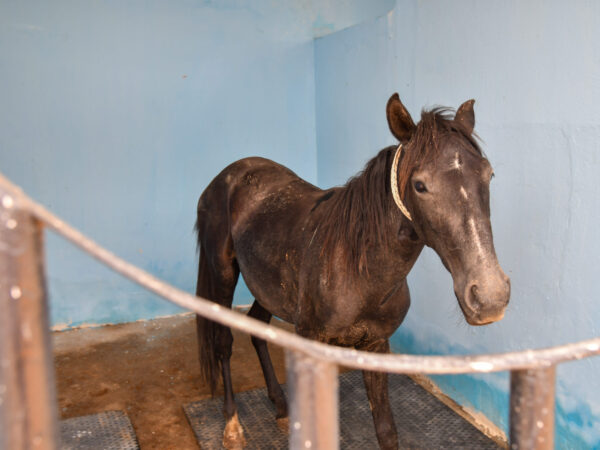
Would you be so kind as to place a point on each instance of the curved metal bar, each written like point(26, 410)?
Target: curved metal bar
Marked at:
point(408, 364)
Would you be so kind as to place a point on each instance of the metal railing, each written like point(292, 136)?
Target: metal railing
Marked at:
point(28, 412)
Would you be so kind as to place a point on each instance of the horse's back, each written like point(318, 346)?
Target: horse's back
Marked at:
point(250, 180)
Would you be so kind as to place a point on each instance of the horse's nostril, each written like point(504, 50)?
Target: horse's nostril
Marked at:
point(472, 298)
point(474, 291)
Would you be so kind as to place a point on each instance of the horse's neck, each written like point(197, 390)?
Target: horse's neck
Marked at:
point(396, 258)
point(363, 220)
point(393, 257)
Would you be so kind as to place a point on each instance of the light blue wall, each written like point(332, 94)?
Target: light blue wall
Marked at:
point(533, 69)
point(117, 114)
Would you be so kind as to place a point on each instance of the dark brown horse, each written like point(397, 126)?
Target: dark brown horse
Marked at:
point(334, 262)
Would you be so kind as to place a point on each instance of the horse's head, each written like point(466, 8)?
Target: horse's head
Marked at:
point(443, 180)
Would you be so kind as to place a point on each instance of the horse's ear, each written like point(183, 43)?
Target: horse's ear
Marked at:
point(399, 120)
point(465, 116)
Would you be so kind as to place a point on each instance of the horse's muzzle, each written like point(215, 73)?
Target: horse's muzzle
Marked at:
point(485, 300)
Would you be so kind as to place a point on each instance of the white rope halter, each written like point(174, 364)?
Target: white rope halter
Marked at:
point(394, 183)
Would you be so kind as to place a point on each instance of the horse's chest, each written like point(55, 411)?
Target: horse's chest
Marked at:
point(351, 320)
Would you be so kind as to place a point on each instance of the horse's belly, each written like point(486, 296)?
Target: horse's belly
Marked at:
point(272, 287)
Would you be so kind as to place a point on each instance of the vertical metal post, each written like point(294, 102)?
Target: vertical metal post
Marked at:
point(532, 408)
point(28, 411)
point(313, 393)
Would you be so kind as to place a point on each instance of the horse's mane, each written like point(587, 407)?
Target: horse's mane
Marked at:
point(357, 213)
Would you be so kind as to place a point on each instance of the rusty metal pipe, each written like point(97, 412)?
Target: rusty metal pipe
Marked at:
point(313, 392)
point(28, 411)
point(532, 408)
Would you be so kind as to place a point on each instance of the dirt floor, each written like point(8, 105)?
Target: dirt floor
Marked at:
point(149, 370)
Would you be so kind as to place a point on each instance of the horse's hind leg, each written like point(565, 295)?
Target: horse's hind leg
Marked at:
point(233, 435)
point(217, 278)
point(273, 388)
point(376, 384)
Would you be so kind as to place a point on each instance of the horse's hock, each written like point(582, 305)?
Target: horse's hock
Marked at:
point(28, 417)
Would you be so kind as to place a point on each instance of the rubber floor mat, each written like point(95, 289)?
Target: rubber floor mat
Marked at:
point(105, 430)
point(423, 422)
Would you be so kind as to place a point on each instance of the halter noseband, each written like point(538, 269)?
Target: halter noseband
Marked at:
point(394, 183)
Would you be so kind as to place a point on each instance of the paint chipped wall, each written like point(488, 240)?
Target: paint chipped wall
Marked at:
point(532, 68)
point(116, 115)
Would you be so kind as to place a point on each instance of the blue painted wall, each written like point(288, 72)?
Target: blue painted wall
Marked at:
point(533, 69)
point(116, 115)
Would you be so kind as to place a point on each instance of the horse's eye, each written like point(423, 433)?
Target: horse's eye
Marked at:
point(420, 187)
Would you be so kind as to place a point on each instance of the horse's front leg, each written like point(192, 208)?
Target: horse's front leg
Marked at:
point(376, 384)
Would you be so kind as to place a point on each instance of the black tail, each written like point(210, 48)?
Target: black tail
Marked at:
point(214, 340)
point(206, 329)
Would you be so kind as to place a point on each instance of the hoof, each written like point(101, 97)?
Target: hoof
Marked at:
point(233, 436)
point(283, 423)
